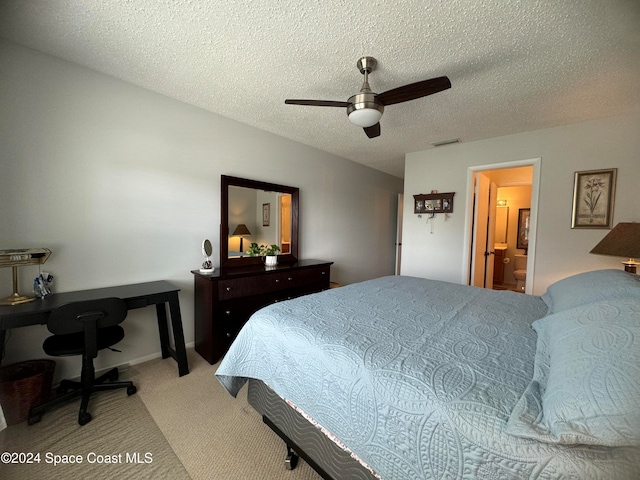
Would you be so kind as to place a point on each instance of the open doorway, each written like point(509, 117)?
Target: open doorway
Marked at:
point(284, 207)
point(502, 225)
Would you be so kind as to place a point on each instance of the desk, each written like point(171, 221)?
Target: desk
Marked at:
point(136, 296)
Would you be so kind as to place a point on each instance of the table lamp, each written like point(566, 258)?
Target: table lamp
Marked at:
point(241, 230)
point(19, 257)
point(622, 241)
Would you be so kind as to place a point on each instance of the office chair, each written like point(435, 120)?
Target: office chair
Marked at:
point(84, 328)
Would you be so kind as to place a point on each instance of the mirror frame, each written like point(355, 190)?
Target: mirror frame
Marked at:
point(225, 183)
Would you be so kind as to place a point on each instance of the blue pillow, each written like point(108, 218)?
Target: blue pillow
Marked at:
point(588, 287)
point(586, 381)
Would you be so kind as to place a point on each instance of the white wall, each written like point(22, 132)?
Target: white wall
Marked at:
point(560, 250)
point(123, 184)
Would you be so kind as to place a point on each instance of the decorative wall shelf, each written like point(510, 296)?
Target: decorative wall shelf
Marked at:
point(433, 203)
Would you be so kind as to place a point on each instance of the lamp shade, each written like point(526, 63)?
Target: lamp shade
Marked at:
point(622, 241)
point(241, 229)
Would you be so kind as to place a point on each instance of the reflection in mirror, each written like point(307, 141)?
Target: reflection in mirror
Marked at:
point(502, 219)
point(257, 212)
point(240, 231)
point(258, 216)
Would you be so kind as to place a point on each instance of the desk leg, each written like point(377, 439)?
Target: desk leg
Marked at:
point(180, 352)
point(178, 333)
point(161, 312)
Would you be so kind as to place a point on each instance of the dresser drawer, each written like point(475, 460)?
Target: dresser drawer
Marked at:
point(231, 315)
point(300, 278)
point(270, 282)
point(240, 287)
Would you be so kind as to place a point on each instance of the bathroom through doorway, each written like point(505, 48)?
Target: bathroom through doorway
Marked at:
point(502, 224)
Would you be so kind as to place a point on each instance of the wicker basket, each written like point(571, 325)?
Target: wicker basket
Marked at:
point(23, 386)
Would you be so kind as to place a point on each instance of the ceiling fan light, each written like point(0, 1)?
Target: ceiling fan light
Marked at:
point(365, 117)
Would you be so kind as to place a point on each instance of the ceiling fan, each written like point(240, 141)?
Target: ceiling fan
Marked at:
point(365, 107)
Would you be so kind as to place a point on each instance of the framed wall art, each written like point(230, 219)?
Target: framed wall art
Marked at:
point(593, 196)
point(522, 240)
point(266, 214)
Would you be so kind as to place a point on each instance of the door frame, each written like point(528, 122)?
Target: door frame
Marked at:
point(533, 218)
point(399, 233)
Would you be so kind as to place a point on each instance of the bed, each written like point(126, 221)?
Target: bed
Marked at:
point(408, 378)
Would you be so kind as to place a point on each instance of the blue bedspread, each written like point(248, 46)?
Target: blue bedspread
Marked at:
point(417, 377)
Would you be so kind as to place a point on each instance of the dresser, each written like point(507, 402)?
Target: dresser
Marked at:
point(226, 298)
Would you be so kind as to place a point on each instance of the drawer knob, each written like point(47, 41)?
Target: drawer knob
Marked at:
point(228, 289)
point(228, 312)
point(228, 335)
point(324, 273)
point(290, 278)
point(277, 280)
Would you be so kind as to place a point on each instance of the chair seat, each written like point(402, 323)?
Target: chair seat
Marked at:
point(73, 343)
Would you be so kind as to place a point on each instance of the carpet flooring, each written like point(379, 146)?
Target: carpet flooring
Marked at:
point(174, 428)
point(122, 441)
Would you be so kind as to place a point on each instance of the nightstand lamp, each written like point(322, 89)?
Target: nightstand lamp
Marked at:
point(622, 241)
point(240, 231)
point(19, 257)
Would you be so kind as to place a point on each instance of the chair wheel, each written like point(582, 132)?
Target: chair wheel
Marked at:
point(33, 419)
point(131, 390)
point(84, 418)
point(291, 460)
point(114, 376)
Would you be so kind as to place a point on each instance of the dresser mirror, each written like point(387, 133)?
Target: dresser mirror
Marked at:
point(260, 212)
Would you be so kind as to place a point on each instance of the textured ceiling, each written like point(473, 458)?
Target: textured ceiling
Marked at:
point(514, 65)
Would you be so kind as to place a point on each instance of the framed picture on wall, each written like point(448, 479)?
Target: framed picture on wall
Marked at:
point(266, 214)
point(593, 195)
point(523, 228)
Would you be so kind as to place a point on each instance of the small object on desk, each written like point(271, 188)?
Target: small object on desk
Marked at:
point(19, 257)
point(207, 266)
point(42, 285)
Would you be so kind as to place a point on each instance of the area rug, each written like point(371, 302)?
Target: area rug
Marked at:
point(122, 441)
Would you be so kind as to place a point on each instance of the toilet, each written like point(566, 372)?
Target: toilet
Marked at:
point(520, 271)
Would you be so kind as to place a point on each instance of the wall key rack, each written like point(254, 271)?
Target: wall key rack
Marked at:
point(433, 203)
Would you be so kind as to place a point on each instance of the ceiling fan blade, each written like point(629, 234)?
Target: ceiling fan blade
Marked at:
point(372, 131)
point(316, 103)
point(414, 90)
